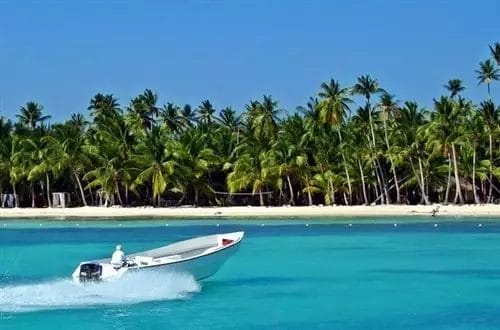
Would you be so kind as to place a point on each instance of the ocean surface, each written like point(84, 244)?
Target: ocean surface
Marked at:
point(288, 274)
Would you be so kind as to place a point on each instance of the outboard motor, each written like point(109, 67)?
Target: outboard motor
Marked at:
point(90, 272)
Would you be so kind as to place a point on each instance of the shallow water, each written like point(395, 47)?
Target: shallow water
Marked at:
point(288, 274)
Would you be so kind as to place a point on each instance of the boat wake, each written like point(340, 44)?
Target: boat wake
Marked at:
point(64, 293)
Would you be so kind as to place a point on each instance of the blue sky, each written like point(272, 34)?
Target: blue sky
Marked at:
point(61, 53)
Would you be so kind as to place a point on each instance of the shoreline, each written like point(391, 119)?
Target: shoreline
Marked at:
point(485, 210)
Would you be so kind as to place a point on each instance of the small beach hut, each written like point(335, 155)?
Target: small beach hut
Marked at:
point(60, 199)
point(8, 200)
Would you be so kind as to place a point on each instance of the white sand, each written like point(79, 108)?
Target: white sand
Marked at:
point(305, 211)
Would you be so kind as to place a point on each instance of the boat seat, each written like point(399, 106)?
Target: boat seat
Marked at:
point(142, 260)
point(169, 258)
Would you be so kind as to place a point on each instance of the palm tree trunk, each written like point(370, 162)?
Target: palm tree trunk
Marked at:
point(371, 123)
point(49, 202)
point(182, 198)
point(377, 163)
point(490, 192)
point(196, 196)
point(458, 191)
point(32, 189)
point(80, 187)
point(92, 200)
point(384, 183)
point(377, 196)
point(476, 200)
point(448, 183)
point(118, 193)
point(261, 198)
point(379, 180)
point(281, 196)
point(292, 202)
point(483, 188)
point(309, 195)
point(126, 195)
point(331, 193)
point(392, 162)
point(16, 198)
point(345, 164)
point(424, 194)
point(363, 181)
point(396, 183)
point(420, 180)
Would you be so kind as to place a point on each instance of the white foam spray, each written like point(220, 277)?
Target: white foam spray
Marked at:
point(64, 293)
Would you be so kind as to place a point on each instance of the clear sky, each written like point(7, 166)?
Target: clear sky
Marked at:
point(60, 53)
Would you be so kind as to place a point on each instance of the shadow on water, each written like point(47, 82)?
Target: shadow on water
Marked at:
point(458, 316)
point(482, 273)
point(261, 281)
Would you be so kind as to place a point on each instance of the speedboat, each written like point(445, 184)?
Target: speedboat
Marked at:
point(201, 257)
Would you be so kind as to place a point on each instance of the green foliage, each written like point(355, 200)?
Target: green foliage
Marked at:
point(385, 151)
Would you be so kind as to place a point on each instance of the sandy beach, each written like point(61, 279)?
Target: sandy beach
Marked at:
point(305, 211)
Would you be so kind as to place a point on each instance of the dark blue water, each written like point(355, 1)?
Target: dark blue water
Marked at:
point(287, 275)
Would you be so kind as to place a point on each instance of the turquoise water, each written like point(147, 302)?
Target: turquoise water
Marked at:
point(288, 274)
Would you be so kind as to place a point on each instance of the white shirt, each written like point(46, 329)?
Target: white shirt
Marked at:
point(118, 258)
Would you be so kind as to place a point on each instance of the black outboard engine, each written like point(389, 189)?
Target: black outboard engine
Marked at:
point(90, 272)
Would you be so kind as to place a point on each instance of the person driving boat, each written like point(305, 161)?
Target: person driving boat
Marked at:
point(118, 257)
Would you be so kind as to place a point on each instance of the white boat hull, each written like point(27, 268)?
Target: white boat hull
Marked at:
point(200, 265)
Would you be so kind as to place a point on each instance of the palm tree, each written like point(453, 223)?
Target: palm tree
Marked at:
point(359, 157)
point(111, 146)
point(26, 158)
point(326, 183)
point(362, 121)
point(491, 119)
point(104, 106)
point(189, 116)
point(334, 103)
point(31, 115)
point(229, 119)
point(333, 109)
point(12, 166)
point(66, 148)
point(454, 86)
point(255, 169)
point(291, 152)
point(443, 131)
point(6, 128)
point(495, 52)
point(388, 106)
point(263, 118)
point(311, 108)
point(196, 159)
point(231, 122)
point(206, 111)
point(143, 108)
point(367, 86)
point(408, 148)
point(78, 120)
point(157, 162)
point(472, 165)
point(487, 73)
point(171, 117)
point(10, 144)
